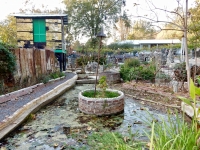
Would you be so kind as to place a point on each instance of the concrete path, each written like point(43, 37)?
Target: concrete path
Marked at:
point(15, 111)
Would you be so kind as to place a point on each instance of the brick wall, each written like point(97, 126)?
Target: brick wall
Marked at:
point(101, 106)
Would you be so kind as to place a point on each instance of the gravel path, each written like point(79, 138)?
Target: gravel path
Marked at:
point(9, 107)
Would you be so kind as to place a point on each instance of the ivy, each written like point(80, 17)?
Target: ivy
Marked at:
point(7, 61)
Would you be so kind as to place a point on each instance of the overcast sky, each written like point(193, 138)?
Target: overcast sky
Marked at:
point(12, 6)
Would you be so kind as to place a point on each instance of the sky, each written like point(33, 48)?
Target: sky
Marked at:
point(8, 7)
point(12, 6)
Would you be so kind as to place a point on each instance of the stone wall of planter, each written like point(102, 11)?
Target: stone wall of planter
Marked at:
point(101, 106)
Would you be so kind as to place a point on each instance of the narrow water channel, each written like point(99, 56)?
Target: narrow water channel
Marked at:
point(56, 126)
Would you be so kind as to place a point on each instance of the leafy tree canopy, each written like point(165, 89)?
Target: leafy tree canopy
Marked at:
point(8, 32)
point(194, 26)
point(87, 16)
point(142, 30)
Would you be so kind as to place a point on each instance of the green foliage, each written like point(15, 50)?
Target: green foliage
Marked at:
point(107, 94)
point(116, 46)
point(176, 133)
point(193, 26)
point(142, 30)
point(103, 85)
point(124, 71)
point(132, 70)
point(54, 75)
point(8, 32)
point(45, 78)
point(109, 141)
point(87, 20)
point(7, 61)
point(132, 62)
point(173, 134)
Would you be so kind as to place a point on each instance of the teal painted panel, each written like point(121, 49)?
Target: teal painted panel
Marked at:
point(39, 30)
point(59, 51)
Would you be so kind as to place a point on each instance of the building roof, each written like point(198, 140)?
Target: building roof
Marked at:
point(151, 41)
point(44, 16)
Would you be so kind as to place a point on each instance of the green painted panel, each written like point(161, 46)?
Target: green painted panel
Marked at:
point(39, 30)
point(59, 51)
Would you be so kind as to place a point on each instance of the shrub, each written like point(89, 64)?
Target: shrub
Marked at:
point(54, 75)
point(147, 74)
point(132, 70)
point(7, 61)
point(124, 71)
point(132, 62)
point(135, 73)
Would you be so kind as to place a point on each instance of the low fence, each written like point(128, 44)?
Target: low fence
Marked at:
point(31, 63)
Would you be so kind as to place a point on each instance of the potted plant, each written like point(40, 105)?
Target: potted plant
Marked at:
point(103, 101)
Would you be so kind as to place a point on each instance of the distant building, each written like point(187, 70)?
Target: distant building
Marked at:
point(147, 44)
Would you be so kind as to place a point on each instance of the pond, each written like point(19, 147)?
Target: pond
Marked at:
point(61, 125)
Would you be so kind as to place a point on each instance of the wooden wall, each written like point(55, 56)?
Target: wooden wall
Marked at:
point(32, 63)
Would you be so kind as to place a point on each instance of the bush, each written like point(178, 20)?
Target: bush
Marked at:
point(7, 61)
point(132, 62)
point(132, 70)
point(124, 71)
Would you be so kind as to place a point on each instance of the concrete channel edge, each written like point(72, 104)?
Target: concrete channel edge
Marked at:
point(12, 122)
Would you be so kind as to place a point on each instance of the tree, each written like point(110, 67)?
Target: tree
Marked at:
point(194, 25)
point(122, 27)
point(87, 16)
point(8, 32)
point(142, 30)
point(181, 12)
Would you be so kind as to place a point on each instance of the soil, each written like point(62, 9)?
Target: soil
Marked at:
point(160, 97)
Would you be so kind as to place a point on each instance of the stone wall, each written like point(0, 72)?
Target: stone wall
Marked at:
point(101, 106)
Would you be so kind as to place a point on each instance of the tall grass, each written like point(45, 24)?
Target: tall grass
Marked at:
point(176, 134)
point(173, 134)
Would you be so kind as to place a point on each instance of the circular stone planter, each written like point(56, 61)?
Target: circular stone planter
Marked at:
point(101, 106)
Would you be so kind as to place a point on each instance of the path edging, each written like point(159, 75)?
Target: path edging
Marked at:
point(10, 123)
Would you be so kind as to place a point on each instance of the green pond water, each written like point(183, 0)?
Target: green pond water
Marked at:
point(61, 125)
